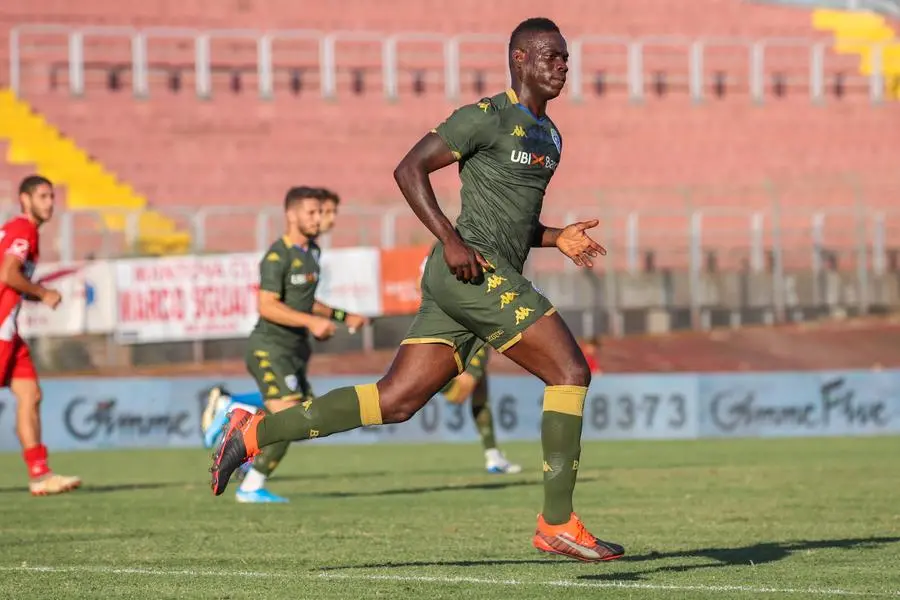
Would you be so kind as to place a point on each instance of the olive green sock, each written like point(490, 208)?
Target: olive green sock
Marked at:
point(484, 419)
point(561, 442)
point(339, 410)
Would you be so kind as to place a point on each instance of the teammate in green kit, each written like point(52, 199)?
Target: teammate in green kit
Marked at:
point(278, 350)
point(473, 290)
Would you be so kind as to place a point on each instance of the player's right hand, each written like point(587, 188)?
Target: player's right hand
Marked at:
point(465, 263)
point(322, 328)
point(51, 298)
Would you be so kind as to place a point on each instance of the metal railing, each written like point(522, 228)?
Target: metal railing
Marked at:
point(292, 60)
point(699, 239)
point(786, 264)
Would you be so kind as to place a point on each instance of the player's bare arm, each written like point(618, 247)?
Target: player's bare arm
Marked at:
point(11, 274)
point(351, 320)
point(572, 240)
point(273, 309)
point(412, 176)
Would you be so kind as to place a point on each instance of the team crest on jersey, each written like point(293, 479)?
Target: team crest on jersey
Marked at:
point(557, 141)
point(291, 382)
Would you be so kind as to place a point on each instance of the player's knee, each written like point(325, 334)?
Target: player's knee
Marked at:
point(576, 372)
point(399, 410)
point(28, 394)
point(397, 403)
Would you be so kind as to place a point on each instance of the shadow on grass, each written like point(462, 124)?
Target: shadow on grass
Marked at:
point(484, 485)
point(756, 554)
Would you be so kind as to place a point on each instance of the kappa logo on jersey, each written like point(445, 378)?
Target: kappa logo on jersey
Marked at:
point(518, 131)
point(296, 263)
point(531, 159)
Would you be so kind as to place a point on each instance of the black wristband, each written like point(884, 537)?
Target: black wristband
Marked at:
point(338, 315)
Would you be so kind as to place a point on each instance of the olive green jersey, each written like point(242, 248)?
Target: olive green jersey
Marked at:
point(506, 156)
point(293, 273)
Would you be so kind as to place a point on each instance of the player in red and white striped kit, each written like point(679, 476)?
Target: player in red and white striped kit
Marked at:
point(19, 248)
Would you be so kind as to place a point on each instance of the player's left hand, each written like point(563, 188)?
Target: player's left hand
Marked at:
point(354, 322)
point(578, 245)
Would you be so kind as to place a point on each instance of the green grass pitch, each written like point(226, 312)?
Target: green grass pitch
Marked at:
point(699, 519)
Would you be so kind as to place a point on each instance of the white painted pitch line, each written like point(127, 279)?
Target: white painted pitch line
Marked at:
point(712, 589)
point(611, 584)
point(106, 570)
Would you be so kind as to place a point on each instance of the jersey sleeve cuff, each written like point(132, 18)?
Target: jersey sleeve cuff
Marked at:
point(456, 153)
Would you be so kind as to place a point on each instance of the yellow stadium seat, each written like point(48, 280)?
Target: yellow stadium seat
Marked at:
point(90, 186)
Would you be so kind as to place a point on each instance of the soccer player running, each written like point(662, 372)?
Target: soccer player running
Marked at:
point(220, 401)
point(473, 290)
point(472, 383)
point(19, 246)
point(278, 349)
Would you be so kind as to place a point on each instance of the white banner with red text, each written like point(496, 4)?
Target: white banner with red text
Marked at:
point(214, 297)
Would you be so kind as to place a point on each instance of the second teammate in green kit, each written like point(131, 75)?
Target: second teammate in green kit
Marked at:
point(472, 383)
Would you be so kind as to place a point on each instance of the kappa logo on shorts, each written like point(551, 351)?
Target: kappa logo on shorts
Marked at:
point(506, 298)
point(493, 282)
point(522, 313)
point(291, 382)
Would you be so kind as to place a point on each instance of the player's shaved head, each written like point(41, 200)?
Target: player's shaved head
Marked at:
point(537, 60)
point(525, 31)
